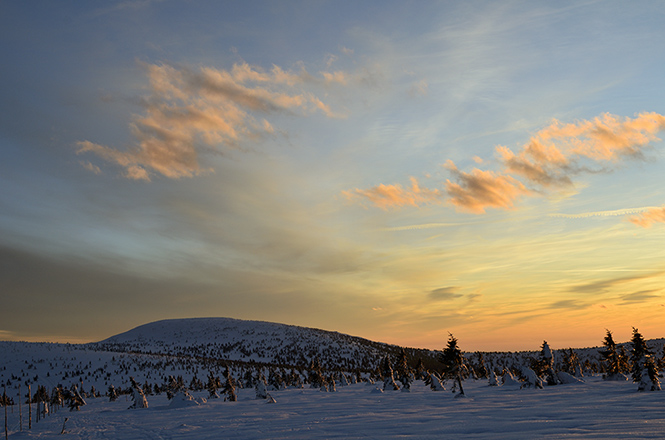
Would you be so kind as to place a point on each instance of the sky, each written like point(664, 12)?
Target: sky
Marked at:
point(393, 170)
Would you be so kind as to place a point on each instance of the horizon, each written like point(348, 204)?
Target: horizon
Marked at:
point(464, 349)
point(387, 170)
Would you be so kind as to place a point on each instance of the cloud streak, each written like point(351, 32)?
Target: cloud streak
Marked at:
point(190, 111)
point(394, 196)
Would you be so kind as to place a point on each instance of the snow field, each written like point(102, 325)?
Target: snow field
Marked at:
point(594, 409)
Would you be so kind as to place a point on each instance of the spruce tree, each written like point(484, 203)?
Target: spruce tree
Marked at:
point(229, 388)
point(638, 355)
point(138, 397)
point(212, 386)
point(387, 374)
point(611, 358)
point(112, 393)
point(454, 364)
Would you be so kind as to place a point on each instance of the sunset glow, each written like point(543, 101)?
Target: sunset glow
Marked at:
point(390, 170)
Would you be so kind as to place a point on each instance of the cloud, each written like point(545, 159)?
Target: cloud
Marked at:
point(549, 160)
point(651, 216)
point(603, 286)
point(394, 196)
point(553, 154)
point(616, 212)
point(479, 190)
point(640, 296)
point(569, 304)
point(445, 294)
point(190, 111)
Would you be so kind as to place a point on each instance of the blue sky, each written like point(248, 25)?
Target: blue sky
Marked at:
point(392, 170)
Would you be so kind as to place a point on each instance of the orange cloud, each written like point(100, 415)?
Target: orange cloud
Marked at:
point(479, 190)
point(646, 219)
point(189, 111)
point(394, 196)
point(550, 157)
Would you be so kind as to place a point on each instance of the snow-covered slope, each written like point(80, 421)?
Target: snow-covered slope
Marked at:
point(253, 341)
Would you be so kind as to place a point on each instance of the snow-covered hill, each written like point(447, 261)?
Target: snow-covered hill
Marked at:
point(253, 341)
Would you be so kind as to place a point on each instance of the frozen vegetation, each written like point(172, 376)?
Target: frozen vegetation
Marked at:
point(223, 378)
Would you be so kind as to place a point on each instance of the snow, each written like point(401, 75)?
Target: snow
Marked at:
point(592, 408)
point(595, 409)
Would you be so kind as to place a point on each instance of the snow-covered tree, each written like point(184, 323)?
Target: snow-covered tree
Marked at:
point(138, 397)
point(260, 387)
point(112, 393)
point(433, 381)
point(611, 358)
point(650, 376)
point(644, 369)
point(76, 401)
point(547, 364)
point(454, 363)
point(638, 355)
point(212, 386)
point(403, 371)
point(387, 373)
point(229, 388)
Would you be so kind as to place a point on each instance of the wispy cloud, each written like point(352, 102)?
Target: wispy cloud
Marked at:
point(648, 218)
point(392, 196)
point(612, 213)
point(603, 286)
point(445, 294)
point(640, 296)
point(190, 111)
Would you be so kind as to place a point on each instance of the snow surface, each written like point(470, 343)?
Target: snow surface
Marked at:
point(594, 409)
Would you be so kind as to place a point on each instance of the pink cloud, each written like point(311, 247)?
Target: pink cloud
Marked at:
point(394, 196)
point(479, 190)
point(648, 218)
point(189, 111)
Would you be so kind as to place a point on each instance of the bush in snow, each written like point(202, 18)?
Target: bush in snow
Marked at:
point(182, 399)
point(434, 383)
point(565, 378)
point(509, 380)
point(531, 379)
point(138, 397)
point(493, 379)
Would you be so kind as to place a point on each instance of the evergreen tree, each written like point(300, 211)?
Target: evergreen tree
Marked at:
point(403, 371)
point(387, 374)
point(76, 401)
point(316, 379)
point(638, 355)
point(138, 397)
point(212, 386)
point(229, 388)
point(260, 387)
point(611, 357)
point(650, 376)
point(547, 363)
point(454, 364)
point(113, 395)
